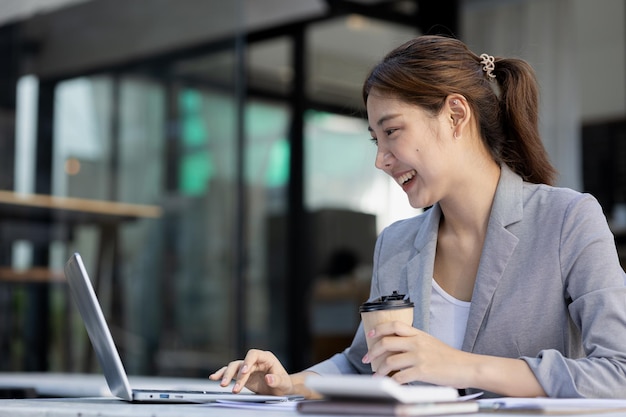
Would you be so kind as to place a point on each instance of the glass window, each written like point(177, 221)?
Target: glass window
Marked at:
point(267, 177)
point(340, 171)
point(338, 61)
point(124, 139)
point(82, 137)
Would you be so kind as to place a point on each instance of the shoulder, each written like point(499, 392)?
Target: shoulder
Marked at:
point(519, 202)
point(573, 219)
point(554, 203)
point(543, 192)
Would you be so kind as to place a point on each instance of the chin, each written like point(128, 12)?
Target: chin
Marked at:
point(420, 204)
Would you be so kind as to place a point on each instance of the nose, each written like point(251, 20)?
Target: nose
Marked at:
point(383, 159)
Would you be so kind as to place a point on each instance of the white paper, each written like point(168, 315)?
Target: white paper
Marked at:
point(269, 405)
point(551, 404)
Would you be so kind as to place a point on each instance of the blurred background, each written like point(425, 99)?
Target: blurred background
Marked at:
point(211, 162)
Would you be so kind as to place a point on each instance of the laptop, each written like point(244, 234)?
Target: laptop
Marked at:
point(85, 299)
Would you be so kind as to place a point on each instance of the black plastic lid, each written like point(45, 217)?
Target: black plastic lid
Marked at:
point(387, 302)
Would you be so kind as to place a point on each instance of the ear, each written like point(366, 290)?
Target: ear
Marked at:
point(459, 113)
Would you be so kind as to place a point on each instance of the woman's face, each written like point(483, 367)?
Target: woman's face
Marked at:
point(414, 147)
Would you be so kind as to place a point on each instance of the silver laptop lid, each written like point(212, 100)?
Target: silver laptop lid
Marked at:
point(85, 299)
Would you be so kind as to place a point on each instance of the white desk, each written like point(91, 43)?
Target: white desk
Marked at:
point(109, 407)
point(105, 407)
point(87, 395)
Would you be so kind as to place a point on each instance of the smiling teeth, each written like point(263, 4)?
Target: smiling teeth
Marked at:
point(406, 177)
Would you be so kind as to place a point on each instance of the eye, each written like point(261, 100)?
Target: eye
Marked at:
point(374, 141)
point(389, 132)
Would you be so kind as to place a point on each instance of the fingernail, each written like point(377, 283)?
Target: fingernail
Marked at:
point(270, 379)
point(365, 359)
point(236, 387)
point(244, 369)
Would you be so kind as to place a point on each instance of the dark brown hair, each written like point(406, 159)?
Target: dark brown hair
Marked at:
point(425, 70)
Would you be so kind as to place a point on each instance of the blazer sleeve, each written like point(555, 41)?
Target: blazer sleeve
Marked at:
point(595, 292)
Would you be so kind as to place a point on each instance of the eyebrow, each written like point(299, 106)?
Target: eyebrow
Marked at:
point(383, 120)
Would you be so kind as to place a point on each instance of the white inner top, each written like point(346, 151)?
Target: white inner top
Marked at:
point(448, 317)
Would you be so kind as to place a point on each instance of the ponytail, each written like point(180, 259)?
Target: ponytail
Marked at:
point(523, 150)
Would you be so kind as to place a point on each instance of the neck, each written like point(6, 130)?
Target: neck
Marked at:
point(467, 211)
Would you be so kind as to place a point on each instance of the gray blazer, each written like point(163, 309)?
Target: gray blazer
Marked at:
point(549, 289)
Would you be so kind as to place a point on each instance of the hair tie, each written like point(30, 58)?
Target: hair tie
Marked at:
point(488, 62)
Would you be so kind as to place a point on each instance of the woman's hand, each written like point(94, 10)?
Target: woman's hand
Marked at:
point(413, 355)
point(260, 371)
point(417, 356)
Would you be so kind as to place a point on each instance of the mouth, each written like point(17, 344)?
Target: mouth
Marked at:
point(406, 177)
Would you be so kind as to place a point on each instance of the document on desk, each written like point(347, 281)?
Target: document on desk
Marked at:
point(553, 406)
point(265, 406)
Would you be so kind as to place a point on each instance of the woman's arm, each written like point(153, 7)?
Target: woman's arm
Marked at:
point(504, 376)
point(413, 355)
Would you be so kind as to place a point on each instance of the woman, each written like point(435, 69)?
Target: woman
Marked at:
point(517, 284)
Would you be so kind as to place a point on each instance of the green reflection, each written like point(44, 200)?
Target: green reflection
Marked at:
point(278, 169)
point(196, 167)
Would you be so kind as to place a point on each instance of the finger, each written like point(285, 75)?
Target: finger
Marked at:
point(386, 346)
point(232, 369)
point(242, 378)
point(260, 361)
point(282, 383)
point(253, 361)
point(279, 383)
point(394, 363)
point(273, 381)
point(217, 374)
point(404, 376)
point(396, 328)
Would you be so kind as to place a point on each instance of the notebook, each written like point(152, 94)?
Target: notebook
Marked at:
point(366, 387)
point(381, 396)
point(85, 299)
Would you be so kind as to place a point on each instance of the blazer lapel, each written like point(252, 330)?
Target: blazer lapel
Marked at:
point(419, 269)
point(497, 250)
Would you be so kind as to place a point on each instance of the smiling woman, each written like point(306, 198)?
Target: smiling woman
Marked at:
point(514, 266)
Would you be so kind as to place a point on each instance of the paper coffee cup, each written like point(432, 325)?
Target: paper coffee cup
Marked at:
point(394, 307)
